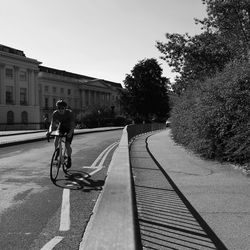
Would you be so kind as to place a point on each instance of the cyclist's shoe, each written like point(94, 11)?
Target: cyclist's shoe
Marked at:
point(68, 162)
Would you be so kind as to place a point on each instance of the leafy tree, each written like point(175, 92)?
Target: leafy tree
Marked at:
point(225, 36)
point(231, 19)
point(145, 95)
point(194, 58)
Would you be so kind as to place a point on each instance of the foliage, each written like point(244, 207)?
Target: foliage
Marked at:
point(213, 118)
point(225, 37)
point(231, 19)
point(100, 117)
point(194, 58)
point(211, 115)
point(145, 95)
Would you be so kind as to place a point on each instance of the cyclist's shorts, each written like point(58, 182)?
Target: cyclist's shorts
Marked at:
point(63, 130)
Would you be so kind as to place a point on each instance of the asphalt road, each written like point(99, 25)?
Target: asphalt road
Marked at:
point(35, 213)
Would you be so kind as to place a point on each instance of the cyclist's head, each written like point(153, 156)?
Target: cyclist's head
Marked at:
point(61, 105)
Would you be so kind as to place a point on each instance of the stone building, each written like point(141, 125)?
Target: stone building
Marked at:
point(29, 91)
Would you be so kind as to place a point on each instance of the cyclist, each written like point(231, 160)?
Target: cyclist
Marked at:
point(64, 119)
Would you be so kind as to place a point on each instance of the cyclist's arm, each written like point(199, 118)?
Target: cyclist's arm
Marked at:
point(52, 124)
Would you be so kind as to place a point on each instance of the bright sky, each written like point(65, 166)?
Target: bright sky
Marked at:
point(97, 38)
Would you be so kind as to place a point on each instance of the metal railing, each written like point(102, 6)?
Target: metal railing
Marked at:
point(137, 129)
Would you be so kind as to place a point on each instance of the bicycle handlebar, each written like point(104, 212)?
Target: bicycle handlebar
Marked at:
point(56, 134)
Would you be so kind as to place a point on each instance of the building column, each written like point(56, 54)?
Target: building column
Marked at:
point(95, 97)
point(98, 98)
point(2, 84)
point(86, 97)
point(36, 94)
point(17, 86)
point(31, 92)
point(83, 98)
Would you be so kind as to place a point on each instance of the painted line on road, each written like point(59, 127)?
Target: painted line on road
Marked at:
point(65, 211)
point(101, 154)
point(52, 243)
point(105, 153)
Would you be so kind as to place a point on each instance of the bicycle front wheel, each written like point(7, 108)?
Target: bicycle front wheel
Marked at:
point(54, 166)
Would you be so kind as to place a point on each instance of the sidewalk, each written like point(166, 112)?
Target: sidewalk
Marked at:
point(9, 138)
point(176, 181)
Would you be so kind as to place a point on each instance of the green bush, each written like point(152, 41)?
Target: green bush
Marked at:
point(213, 118)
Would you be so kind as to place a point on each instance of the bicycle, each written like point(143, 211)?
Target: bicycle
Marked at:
point(59, 158)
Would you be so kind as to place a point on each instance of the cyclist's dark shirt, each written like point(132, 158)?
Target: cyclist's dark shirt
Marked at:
point(65, 119)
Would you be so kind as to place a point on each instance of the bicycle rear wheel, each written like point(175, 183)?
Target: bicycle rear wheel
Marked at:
point(54, 165)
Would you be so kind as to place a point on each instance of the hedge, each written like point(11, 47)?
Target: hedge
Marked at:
point(213, 117)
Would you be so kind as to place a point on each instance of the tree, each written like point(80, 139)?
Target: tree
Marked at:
point(194, 58)
point(145, 95)
point(231, 19)
point(225, 36)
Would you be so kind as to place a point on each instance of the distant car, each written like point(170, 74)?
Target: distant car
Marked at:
point(167, 124)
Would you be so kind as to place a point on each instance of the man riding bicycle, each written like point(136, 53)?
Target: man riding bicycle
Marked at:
point(64, 119)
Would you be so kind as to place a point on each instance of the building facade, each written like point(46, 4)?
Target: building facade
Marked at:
point(29, 91)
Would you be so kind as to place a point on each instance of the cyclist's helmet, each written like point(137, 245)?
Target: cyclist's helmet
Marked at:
point(61, 103)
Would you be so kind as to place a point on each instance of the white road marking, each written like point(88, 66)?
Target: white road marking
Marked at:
point(52, 243)
point(89, 167)
point(105, 153)
point(65, 211)
point(101, 154)
point(105, 156)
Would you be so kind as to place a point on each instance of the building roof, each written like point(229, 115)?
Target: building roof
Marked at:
point(64, 73)
point(10, 50)
point(114, 84)
point(77, 76)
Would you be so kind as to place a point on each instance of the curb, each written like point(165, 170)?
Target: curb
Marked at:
point(23, 133)
point(113, 230)
point(43, 138)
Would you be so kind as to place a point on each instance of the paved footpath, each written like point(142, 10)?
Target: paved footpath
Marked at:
point(184, 202)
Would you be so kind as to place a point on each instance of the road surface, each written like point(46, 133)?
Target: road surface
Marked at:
point(35, 213)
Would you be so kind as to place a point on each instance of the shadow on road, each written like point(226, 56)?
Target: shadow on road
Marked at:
point(79, 180)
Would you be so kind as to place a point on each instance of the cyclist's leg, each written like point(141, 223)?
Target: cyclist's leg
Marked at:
point(69, 149)
point(56, 145)
point(56, 141)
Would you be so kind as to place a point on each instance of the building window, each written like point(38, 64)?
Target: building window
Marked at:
point(10, 117)
point(9, 73)
point(23, 96)
point(46, 102)
point(46, 88)
point(54, 89)
point(9, 95)
point(23, 76)
point(24, 117)
point(69, 91)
